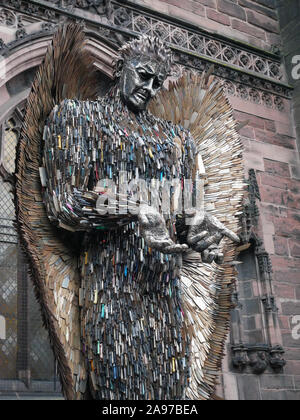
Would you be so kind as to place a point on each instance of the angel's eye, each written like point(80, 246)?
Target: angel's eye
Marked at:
point(144, 75)
point(156, 83)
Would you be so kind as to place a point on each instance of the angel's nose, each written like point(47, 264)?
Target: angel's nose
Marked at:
point(149, 86)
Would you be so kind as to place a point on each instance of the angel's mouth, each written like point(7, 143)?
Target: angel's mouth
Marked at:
point(142, 95)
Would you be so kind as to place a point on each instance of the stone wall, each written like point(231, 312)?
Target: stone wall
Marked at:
point(253, 22)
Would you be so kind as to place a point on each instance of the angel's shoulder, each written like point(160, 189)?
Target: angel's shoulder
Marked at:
point(68, 109)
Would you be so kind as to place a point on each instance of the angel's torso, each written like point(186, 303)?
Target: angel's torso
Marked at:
point(132, 319)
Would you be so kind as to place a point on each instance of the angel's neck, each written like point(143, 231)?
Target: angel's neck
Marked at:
point(114, 99)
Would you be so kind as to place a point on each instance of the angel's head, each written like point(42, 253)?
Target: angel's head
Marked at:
point(141, 69)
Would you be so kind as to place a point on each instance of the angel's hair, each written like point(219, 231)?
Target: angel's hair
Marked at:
point(144, 46)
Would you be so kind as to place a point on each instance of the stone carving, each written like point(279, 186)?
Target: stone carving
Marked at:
point(209, 48)
point(8, 18)
point(250, 214)
point(131, 19)
point(239, 357)
point(277, 361)
point(257, 358)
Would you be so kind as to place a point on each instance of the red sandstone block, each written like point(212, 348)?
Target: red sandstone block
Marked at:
point(270, 125)
point(262, 21)
point(289, 341)
point(232, 9)
point(260, 9)
point(218, 17)
point(272, 210)
point(282, 263)
point(254, 121)
point(273, 195)
point(291, 354)
point(288, 276)
point(293, 200)
point(248, 29)
point(291, 308)
point(288, 226)
point(285, 291)
point(295, 170)
point(284, 322)
point(190, 6)
point(292, 367)
point(268, 3)
point(277, 168)
point(274, 39)
point(209, 3)
point(290, 185)
point(275, 181)
point(277, 139)
point(295, 249)
point(281, 246)
point(247, 132)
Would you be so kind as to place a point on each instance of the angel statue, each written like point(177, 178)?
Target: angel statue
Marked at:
point(133, 272)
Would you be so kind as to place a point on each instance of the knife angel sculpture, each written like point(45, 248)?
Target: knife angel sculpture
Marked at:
point(136, 302)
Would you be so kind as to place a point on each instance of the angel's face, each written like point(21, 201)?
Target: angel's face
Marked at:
point(141, 79)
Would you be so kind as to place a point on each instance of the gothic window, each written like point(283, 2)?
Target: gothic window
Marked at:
point(24, 347)
point(255, 335)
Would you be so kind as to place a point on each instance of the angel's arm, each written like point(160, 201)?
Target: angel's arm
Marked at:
point(71, 158)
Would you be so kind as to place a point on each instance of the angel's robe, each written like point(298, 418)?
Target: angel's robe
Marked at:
point(132, 331)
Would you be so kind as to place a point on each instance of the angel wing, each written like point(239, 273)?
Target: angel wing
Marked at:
point(65, 73)
point(200, 105)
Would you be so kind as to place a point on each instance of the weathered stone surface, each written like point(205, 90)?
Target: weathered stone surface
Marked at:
point(294, 248)
point(284, 290)
point(209, 3)
point(293, 367)
point(291, 354)
point(297, 382)
point(277, 168)
point(218, 17)
point(252, 306)
point(268, 3)
point(289, 341)
point(290, 276)
point(248, 29)
point(279, 395)
point(274, 181)
point(291, 308)
point(281, 246)
point(261, 9)
point(262, 21)
point(273, 195)
point(232, 9)
point(249, 387)
point(277, 139)
point(191, 6)
point(276, 382)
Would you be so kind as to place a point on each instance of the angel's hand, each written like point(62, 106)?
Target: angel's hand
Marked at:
point(205, 234)
point(154, 231)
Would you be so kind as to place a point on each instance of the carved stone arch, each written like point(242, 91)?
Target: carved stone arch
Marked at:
point(32, 51)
